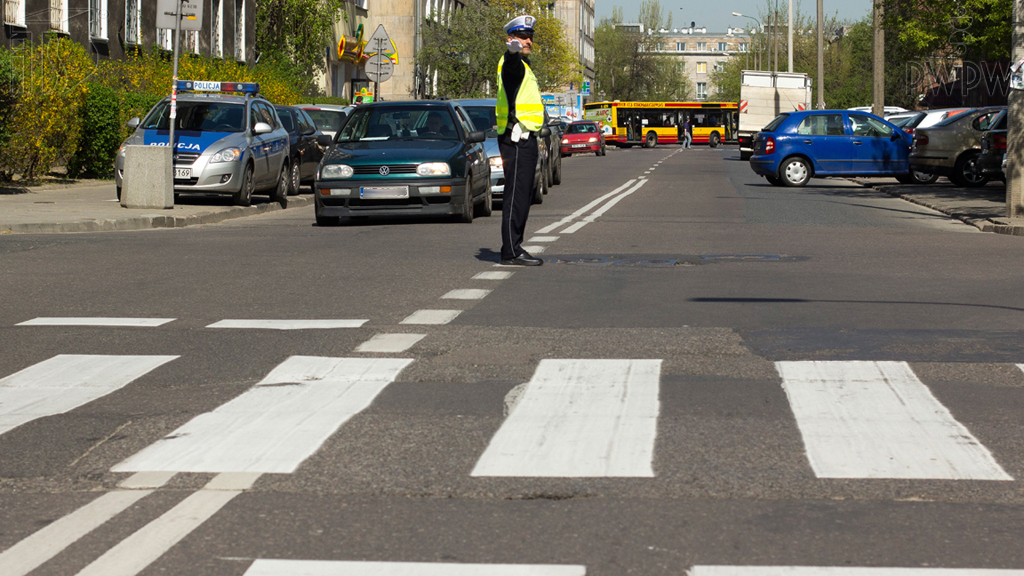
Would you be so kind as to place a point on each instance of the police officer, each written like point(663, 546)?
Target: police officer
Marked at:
point(520, 116)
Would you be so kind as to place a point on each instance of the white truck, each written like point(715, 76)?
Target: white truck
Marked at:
point(765, 95)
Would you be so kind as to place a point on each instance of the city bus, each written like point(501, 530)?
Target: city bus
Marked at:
point(652, 123)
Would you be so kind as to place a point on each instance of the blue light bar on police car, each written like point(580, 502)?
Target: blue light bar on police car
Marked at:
point(210, 86)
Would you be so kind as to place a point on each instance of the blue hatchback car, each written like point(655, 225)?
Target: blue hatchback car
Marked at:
point(798, 146)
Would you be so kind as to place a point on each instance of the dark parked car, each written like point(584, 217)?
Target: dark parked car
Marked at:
point(798, 146)
point(952, 147)
point(552, 139)
point(993, 149)
point(304, 151)
point(405, 158)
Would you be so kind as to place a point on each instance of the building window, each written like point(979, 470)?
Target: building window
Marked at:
point(240, 30)
point(683, 66)
point(165, 38)
point(190, 41)
point(719, 67)
point(98, 19)
point(361, 4)
point(59, 16)
point(702, 46)
point(133, 21)
point(14, 12)
point(217, 30)
point(702, 90)
point(702, 67)
point(744, 47)
point(681, 46)
point(722, 47)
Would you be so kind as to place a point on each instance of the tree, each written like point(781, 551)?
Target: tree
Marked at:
point(627, 61)
point(297, 34)
point(460, 51)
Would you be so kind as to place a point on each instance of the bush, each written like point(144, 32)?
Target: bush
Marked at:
point(10, 84)
point(101, 133)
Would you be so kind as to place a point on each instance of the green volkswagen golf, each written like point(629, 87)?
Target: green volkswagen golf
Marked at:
point(404, 158)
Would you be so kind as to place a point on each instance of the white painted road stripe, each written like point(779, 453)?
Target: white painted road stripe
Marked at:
point(141, 480)
point(66, 382)
point(276, 424)
point(535, 249)
point(597, 213)
point(97, 321)
point(877, 420)
point(496, 275)
point(543, 239)
point(431, 317)
point(844, 571)
point(288, 324)
point(337, 567)
point(32, 552)
point(390, 343)
point(131, 555)
point(582, 211)
point(466, 294)
point(580, 418)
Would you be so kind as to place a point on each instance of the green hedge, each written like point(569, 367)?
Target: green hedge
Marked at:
point(9, 84)
point(101, 133)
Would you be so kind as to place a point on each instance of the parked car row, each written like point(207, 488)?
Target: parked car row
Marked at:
point(798, 146)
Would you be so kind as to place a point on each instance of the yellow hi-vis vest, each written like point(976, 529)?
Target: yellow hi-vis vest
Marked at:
point(529, 108)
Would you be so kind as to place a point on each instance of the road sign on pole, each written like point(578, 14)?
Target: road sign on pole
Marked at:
point(191, 14)
point(379, 68)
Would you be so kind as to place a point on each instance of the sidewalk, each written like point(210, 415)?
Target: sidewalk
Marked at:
point(92, 206)
point(983, 207)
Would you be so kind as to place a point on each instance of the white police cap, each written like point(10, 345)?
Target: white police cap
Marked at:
point(520, 23)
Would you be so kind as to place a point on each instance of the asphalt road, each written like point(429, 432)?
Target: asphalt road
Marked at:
point(720, 374)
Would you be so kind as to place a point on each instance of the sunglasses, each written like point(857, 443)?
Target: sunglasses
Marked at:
point(523, 35)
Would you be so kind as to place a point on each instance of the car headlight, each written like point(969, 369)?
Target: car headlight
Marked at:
point(592, 139)
point(120, 151)
point(565, 140)
point(495, 161)
point(227, 155)
point(336, 172)
point(434, 169)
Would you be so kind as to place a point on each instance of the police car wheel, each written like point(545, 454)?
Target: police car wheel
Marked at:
point(294, 180)
point(244, 195)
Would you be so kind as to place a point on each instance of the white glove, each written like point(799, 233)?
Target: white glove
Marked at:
point(514, 45)
point(517, 131)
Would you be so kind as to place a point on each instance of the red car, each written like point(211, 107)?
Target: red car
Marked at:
point(582, 137)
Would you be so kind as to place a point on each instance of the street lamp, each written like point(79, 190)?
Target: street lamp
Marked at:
point(757, 57)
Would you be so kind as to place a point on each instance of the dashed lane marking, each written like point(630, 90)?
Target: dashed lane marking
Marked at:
point(431, 317)
point(466, 294)
point(495, 275)
point(288, 324)
point(98, 321)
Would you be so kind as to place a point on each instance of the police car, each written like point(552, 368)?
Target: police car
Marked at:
point(224, 143)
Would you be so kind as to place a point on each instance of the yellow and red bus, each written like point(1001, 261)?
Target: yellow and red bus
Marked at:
point(652, 123)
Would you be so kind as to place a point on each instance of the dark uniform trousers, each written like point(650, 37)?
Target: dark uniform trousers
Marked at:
point(519, 160)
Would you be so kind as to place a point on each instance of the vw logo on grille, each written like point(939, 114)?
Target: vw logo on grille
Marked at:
point(384, 170)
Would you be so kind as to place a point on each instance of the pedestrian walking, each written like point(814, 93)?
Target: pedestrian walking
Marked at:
point(519, 117)
point(687, 133)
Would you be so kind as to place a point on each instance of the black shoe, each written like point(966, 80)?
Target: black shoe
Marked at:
point(523, 259)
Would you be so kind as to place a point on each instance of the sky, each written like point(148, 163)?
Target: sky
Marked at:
point(717, 17)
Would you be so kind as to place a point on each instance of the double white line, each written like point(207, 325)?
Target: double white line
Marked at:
point(629, 187)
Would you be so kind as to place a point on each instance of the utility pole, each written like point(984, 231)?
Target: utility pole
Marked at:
point(1015, 115)
point(878, 63)
point(789, 38)
point(821, 57)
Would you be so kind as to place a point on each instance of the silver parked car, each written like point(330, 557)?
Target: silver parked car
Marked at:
point(329, 118)
point(951, 147)
point(224, 144)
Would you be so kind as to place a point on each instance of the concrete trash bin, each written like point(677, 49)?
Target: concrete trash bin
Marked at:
point(147, 181)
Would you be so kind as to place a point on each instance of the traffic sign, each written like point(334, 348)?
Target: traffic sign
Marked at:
point(586, 89)
point(379, 40)
point(379, 68)
point(191, 14)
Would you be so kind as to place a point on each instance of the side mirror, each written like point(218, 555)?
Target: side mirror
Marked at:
point(554, 122)
point(545, 132)
point(895, 136)
point(474, 137)
point(134, 123)
point(309, 131)
point(261, 128)
point(325, 140)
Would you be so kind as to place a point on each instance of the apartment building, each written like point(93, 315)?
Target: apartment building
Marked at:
point(578, 18)
point(702, 52)
point(112, 28)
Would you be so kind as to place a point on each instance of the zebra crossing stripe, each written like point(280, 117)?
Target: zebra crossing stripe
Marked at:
point(334, 567)
point(844, 571)
point(877, 420)
point(288, 324)
point(276, 424)
point(65, 382)
point(580, 418)
point(97, 321)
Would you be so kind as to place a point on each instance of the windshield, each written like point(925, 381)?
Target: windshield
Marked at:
point(399, 122)
point(202, 116)
point(484, 119)
point(327, 120)
point(587, 128)
point(775, 123)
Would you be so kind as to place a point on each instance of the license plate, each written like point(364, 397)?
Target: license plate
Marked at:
point(182, 173)
point(385, 192)
point(579, 145)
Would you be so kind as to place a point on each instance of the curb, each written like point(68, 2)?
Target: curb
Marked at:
point(149, 221)
point(980, 222)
